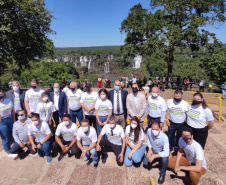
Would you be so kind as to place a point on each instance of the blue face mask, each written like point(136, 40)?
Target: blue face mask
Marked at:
point(116, 87)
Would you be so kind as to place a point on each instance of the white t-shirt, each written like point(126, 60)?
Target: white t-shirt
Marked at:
point(118, 134)
point(33, 97)
point(89, 138)
point(45, 110)
point(5, 108)
point(198, 116)
point(134, 80)
point(177, 111)
point(74, 99)
point(68, 133)
point(193, 152)
point(65, 89)
point(39, 132)
point(155, 106)
point(146, 88)
point(89, 100)
point(17, 106)
point(131, 137)
point(103, 107)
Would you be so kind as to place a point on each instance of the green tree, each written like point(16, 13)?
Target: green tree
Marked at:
point(171, 24)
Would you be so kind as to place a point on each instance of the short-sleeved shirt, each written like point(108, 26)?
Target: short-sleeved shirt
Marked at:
point(177, 111)
point(74, 99)
point(87, 138)
point(103, 107)
point(193, 152)
point(89, 100)
point(45, 110)
point(155, 106)
point(5, 108)
point(197, 116)
point(33, 97)
point(17, 106)
point(118, 134)
point(68, 133)
point(131, 137)
point(40, 131)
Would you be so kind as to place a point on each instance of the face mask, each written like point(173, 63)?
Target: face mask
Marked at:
point(155, 132)
point(1, 97)
point(15, 88)
point(154, 95)
point(116, 87)
point(35, 123)
point(133, 126)
point(21, 117)
point(88, 89)
point(72, 89)
point(135, 90)
point(112, 126)
point(195, 102)
point(56, 90)
point(85, 129)
point(187, 140)
point(177, 100)
point(103, 96)
point(45, 99)
point(66, 123)
point(33, 86)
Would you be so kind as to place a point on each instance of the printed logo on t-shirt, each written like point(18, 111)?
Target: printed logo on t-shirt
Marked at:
point(188, 153)
point(35, 97)
point(153, 106)
point(102, 108)
point(176, 111)
point(194, 113)
point(5, 108)
point(89, 100)
point(74, 98)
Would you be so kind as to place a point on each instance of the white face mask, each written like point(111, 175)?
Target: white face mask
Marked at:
point(154, 95)
point(66, 123)
point(111, 126)
point(21, 117)
point(103, 96)
point(45, 99)
point(15, 88)
point(56, 90)
point(85, 129)
point(133, 126)
point(35, 123)
point(155, 132)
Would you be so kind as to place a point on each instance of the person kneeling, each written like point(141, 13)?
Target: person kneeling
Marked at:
point(158, 150)
point(39, 130)
point(134, 138)
point(65, 138)
point(194, 161)
point(115, 141)
point(86, 141)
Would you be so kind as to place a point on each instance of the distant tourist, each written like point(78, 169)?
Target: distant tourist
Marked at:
point(99, 82)
point(64, 81)
point(139, 83)
point(65, 89)
point(223, 88)
point(109, 82)
point(202, 85)
point(178, 83)
point(127, 81)
point(163, 83)
point(85, 84)
point(134, 80)
point(144, 80)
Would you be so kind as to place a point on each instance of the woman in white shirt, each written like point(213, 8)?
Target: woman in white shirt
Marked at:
point(199, 119)
point(134, 138)
point(6, 121)
point(103, 110)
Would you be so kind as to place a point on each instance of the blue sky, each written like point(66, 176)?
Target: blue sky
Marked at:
point(81, 23)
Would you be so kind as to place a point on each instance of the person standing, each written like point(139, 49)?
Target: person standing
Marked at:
point(134, 80)
point(163, 83)
point(74, 107)
point(199, 119)
point(99, 82)
point(16, 95)
point(202, 85)
point(118, 99)
point(178, 83)
point(223, 88)
point(32, 97)
point(176, 110)
point(7, 118)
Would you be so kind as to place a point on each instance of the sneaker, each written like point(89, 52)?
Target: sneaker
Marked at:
point(96, 165)
point(49, 159)
point(89, 162)
point(14, 156)
point(60, 157)
point(104, 158)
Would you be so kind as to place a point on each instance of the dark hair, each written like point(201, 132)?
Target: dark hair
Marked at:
point(155, 123)
point(34, 81)
point(105, 91)
point(85, 120)
point(1, 91)
point(112, 118)
point(137, 129)
point(35, 115)
point(204, 105)
point(187, 129)
point(178, 92)
point(134, 84)
point(67, 116)
point(22, 110)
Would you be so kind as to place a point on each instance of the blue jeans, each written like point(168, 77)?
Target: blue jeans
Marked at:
point(45, 149)
point(164, 163)
point(6, 132)
point(16, 148)
point(171, 134)
point(223, 93)
point(136, 157)
point(93, 152)
point(76, 114)
point(99, 128)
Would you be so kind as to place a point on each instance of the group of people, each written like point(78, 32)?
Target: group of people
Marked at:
point(45, 122)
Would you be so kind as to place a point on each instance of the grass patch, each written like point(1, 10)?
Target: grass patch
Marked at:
point(224, 115)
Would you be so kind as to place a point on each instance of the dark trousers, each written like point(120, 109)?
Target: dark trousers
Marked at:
point(92, 120)
point(56, 119)
point(107, 146)
point(152, 120)
point(74, 149)
point(201, 88)
point(16, 149)
point(171, 134)
point(200, 135)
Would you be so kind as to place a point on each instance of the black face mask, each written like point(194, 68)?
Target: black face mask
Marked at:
point(177, 100)
point(196, 102)
point(33, 86)
point(135, 90)
point(1, 97)
point(87, 89)
point(72, 89)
